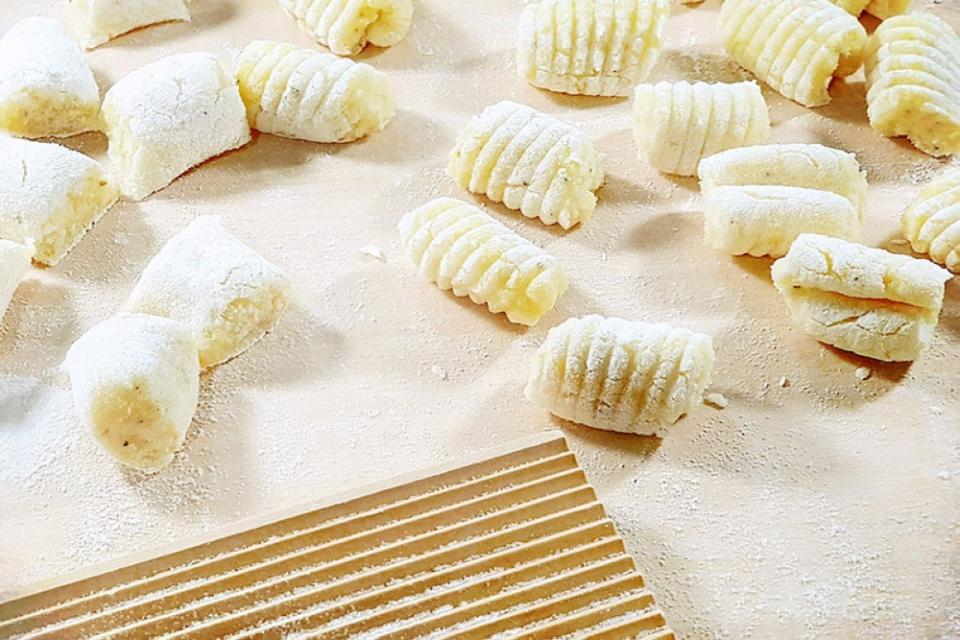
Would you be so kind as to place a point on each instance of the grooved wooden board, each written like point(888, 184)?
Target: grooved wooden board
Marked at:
point(514, 545)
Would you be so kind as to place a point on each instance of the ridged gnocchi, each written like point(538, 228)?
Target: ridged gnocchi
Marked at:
point(590, 47)
point(305, 94)
point(135, 381)
point(46, 86)
point(100, 21)
point(460, 247)
point(530, 162)
point(14, 262)
point(913, 82)
point(762, 220)
point(813, 166)
point(169, 116)
point(675, 124)
point(795, 46)
point(50, 196)
point(226, 293)
point(620, 375)
point(932, 222)
point(869, 301)
point(346, 26)
point(757, 200)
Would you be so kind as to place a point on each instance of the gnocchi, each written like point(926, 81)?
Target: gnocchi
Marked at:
point(620, 375)
point(460, 247)
point(590, 47)
point(51, 196)
point(872, 302)
point(675, 124)
point(884, 9)
point(854, 7)
point(135, 381)
point(932, 222)
point(530, 162)
point(169, 116)
point(100, 21)
point(762, 220)
point(812, 166)
point(913, 82)
point(14, 262)
point(300, 93)
point(222, 290)
point(346, 26)
point(46, 86)
point(795, 46)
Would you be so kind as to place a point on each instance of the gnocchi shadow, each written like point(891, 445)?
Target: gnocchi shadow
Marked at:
point(300, 348)
point(209, 474)
point(115, 249)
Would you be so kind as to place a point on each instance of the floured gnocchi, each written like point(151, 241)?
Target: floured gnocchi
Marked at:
point(795, 46)
point(913, 82)
point(46, 85)
point(675, 124)
point(99, 21)
point(530, 162)
point(300, 93)
point(590, 47)
point(620, 375)
point(813, 166)
point(169, 116)
point(226, 293)
point(460, 247)
point(763, 220)
point(50, 196)
point(932, 222)
point(869, 301)
point(14, 262)
point(135, 381)
point(346, 26)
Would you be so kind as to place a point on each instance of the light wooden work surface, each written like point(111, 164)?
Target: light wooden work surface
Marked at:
point(824, 508)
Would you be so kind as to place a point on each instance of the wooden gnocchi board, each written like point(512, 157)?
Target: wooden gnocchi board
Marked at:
point(515, 543)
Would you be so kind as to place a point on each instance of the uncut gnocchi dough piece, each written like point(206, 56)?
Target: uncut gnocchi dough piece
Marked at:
point(762, 220)
point(50, 196)
point(99, 21)
point(620, 375)
point(932, 222)
point(913, 82)
point(226, 293)
point(870, 301)
point(14, 262)
point(300, 93)
point(460, 247)
point(46, 86)
point(590, 47)
point(135, 380)
point(530, 162)
point(169, 116)
point(831, 264)
point(795, 46)
point(812, 166)
point(879, 329)
point(675, 124)
point(884, 9)
point(346, 26)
